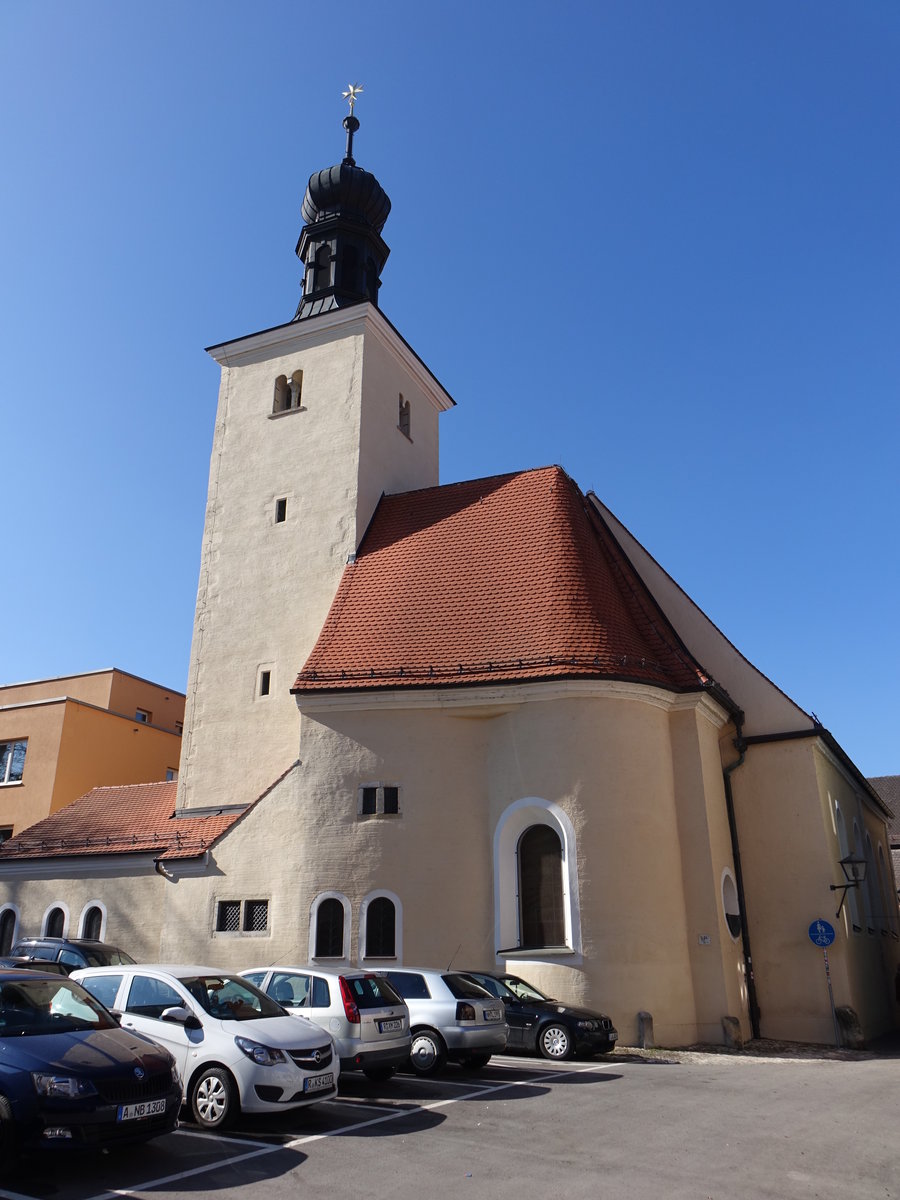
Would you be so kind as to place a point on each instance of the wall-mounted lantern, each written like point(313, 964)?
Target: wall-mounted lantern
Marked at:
point(854, 872)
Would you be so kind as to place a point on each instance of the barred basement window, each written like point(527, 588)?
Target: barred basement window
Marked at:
point(242, 916)
point(228, 916)
point(256, 916)
point(379, 799)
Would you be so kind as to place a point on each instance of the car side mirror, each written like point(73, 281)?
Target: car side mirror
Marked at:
point(181, 1015)
point(116, 1015)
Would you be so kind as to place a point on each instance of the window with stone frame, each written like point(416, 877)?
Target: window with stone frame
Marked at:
point(542, 919)
point(242, 916)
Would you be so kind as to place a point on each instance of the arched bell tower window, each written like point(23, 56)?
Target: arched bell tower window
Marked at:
point(541, 910)
point(92, 923)
point(323, 267)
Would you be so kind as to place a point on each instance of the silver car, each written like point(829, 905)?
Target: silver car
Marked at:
point(367, 1019)
point(450, 1017)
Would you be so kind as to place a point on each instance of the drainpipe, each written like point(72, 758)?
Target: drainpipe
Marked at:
point(752, 1001)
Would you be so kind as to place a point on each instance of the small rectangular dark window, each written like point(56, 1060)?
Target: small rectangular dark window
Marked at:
point(144, 716)
point(256, 916)
point(391, 800)
point(280, 510)
point(369, 801)
point(228, 916)
point(5, 833)
point(265, 682)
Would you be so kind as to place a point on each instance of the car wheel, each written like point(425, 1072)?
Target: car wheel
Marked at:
point(214, 1101)
point(427, 1054)
point(475, 1062)
point(555, 1041)
point(378, 1074)
point(9, 1150)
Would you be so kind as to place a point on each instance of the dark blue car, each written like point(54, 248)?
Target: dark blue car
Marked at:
point(70, 1077)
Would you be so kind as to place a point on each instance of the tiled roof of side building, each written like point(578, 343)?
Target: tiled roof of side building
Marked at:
point(135, 819)
point(505, 579)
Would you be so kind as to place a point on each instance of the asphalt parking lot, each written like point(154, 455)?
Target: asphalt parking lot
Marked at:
point(622, 1127)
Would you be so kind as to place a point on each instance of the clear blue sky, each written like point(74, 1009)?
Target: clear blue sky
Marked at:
point(654, 241)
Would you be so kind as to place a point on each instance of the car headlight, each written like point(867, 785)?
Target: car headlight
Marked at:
point(264, 1055)
point(586, 1024)
point(69, 1086)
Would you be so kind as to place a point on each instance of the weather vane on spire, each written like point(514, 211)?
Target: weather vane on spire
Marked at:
point(353, 90)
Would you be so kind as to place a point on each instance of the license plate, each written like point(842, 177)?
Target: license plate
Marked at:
point(492, 1014)
point(390, 1026)
point(148, 1108)
point(319, 1083)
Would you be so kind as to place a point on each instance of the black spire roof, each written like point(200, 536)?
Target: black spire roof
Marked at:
point(344, 211)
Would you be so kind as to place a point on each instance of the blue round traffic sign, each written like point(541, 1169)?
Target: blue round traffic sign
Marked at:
point(821, 933)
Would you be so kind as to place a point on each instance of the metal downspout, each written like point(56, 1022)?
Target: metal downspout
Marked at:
point(752, 1001)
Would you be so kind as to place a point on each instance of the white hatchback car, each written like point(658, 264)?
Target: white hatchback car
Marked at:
point(362, 1012)
point(450, 1017)
point(235, 1048)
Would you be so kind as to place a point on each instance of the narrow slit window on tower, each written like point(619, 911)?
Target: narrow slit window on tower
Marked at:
point(280, 510)
point(403, 419)
point(265, 682)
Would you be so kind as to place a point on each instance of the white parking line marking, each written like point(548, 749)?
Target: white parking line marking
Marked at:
point(263, 1148)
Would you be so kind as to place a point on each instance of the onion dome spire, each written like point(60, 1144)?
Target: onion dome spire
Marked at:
point(340, 246)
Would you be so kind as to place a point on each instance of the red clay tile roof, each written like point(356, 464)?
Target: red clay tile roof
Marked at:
point(505, 579)
point(136, 819)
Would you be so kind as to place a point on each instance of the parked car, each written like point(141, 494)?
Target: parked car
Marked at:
point(73, 953)
point(70, 1077)
point(450, 1017)
point(234, 1046)
point(33, 964)
point(367, 1019)
point(537, 1023)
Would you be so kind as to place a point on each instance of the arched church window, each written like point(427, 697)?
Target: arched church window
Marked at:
point(55, 923)
point(92, 923)
point(541, 908)
point(330, 929)
point(7, 929)
point(350, 269)
point(403, 419)
point(381, 928)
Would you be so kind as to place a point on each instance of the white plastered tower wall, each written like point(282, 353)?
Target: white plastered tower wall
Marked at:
point(265, 586)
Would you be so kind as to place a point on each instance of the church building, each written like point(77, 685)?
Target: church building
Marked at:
point(473, 723)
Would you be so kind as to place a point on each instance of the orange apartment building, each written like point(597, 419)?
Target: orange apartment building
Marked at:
point(61, 737)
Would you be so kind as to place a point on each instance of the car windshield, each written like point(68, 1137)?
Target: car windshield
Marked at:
point(111, 957)
point(496, 987)
point(522, 989)
point(229, 998)
point(31, 1007)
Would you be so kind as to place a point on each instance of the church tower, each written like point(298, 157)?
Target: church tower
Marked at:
point(316, 419)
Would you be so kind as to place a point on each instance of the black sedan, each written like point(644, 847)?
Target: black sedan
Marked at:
point(70, 1077)
point(538, 1023)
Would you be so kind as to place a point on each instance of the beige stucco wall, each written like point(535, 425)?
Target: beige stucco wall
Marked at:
point(265, 588)
point(636, 777)
point(785, 796)
point(131, 897)
point(21, 804)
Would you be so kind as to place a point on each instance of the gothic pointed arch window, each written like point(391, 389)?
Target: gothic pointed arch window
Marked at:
point(541, 908)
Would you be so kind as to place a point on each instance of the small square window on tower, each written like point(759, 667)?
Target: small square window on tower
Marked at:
point(378, 799)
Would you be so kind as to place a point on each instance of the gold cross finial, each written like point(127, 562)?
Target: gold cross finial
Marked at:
point(353, 90)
